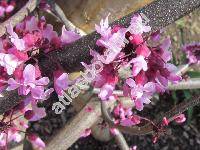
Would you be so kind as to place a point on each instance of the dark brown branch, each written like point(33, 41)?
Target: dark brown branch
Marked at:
point(19, 16)
point(160, 13)
point(9, 100)
point(148, 128)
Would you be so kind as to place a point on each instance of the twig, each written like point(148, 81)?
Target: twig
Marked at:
point(182, 69)
point(61, 15)
point(120, 140)
point(19, 16)
point(193, 83)
point(148, 128)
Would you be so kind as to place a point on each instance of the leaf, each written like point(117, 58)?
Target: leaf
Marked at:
point(187, 94)
point(194, 74)
point(174, 97)
point(189, 115)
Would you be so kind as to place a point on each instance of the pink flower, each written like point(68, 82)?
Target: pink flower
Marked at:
point(19, 43)
point(143, 50)
point(140, 94)
point(126, 116)
point(165, 121)
point(36, 113)
point(106, 91)
point(10, 62)
point(113, 46)
point(106, 81)
point(29, 83)
point(114, 131)
point(133, 147)
point(130, 121)
point(86, 133)
point(165, 54)
point(31, 24)
point(60, 82)
point(139, 64)
point(2, 11)
point(137, 27)
point(36, 141)
point(159, 71)
point(180, 118)
point(107, 76)
point(48, 33)
point(9, 8)
point(89, 109)
point(11, 135)
point(192, 52)
point(104, 28)
point(136, 39)
point(68, 36)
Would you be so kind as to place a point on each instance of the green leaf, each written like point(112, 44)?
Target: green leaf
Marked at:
point(174, 97)
point(189, 115)
point(187, 94)
point(180, 23)
point(194, 74)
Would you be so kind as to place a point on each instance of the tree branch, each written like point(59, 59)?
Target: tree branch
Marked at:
point(61, 15)
point(148, 128)
point(73, 130)
point(160, 13)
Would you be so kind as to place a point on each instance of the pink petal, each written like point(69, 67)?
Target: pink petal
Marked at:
point(42, 81)
point(12, 84)
point(130, 82)
point(86, 133)
point(106, 92)
point(136, 39)
point(48, 32)
point(38, 112)
point(36, 141)
point(68, 36)
point(180, 118)
point(127, 122)
point(139, 105)
point(29, 74)
point(9, 8)
point(143, 50)
point(32, 24)
point(37, 92)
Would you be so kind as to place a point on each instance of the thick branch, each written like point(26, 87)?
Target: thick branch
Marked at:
point(19, 16)
point(72, 131)
point(160, 13)
point(8, 100)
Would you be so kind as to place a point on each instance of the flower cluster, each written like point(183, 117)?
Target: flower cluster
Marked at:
point(6, 7)
point(21, 43)
point(125, 117)
point(193, 52)
point(122, 48)
point(128, 48)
